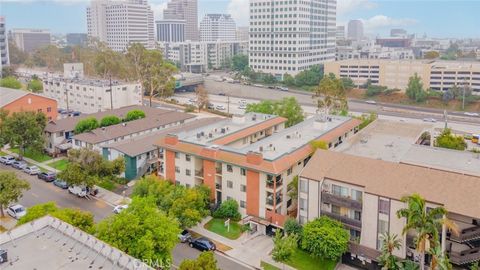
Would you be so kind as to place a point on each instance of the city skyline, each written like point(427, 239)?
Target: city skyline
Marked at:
point(378, 16)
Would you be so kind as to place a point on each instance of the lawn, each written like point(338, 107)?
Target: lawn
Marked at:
point(39, 157)
point(3, 153)
point(107, 184)
point(302, 260)
point(267, 266)
point(59, 164)
point(217, 226)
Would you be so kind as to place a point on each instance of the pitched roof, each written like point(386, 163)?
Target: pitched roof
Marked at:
point(9, 95)
point(111, 132)
point(459, 193)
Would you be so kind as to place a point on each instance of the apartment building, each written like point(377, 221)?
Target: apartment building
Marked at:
point(121, 23)
point(214, 27)
point(338, 185)
point(291, 36)
point(4, 56)
point(372, 51)
point(30, 40)
point(13, 100)
point(186, 10)
point(170, 30)
point(91, 95)
point(250, 159)
point(436, 75)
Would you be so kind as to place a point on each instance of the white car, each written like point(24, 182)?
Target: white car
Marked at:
point(283, 88)
point(17, 211)
point(371, 102)
point(119, 208)
point(470, 113)
point(80, 191)
point(242, 107)
point(32, 170)
point(242, 102)
point(431, 120)
point(220, 107)
point(7, 160)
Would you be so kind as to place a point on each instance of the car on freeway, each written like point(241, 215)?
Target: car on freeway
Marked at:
point(371, 102)
point(19, 164)
point(16, 211)
point(203, 244)
point(7, 160)
point(210, 106)
point(47, 176)
point(184, 236)
point(258, 85)
point(119, 208)
point(242, 106)
point(220, 107)
point(431, 120)
point(32, 170)
point(471, 114)
point(60, 183)
point(282, 88)
point(242, 101)
point(221, 94)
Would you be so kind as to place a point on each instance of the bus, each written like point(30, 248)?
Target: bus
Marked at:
point(476, 138)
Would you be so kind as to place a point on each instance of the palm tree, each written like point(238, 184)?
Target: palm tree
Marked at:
point(426, 223)
point(409, 265)
point(389, 244)
point(440, 260)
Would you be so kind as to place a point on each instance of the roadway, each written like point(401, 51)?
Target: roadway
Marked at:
point(42, 192)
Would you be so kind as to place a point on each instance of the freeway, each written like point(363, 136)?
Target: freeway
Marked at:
point(41, 192)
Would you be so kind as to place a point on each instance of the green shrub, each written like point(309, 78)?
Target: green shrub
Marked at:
point(10, 82)
point(35, 86)
point(325, 238)
point(450, 141)
point(189, 108)
point(109, 120)
point(134, 115)
point(291, 226)
point(373, 90)
point(86, 124)
point(228, 209)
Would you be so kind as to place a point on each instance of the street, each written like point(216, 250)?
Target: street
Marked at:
point(42, 192)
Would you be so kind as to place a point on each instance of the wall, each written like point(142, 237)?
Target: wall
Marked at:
point(34, 103)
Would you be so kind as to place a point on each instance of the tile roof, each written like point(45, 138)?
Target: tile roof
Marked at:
point(9, 95)
point(459, 193)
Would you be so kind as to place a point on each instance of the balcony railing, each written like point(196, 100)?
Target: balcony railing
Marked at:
point(341, 201)
point(199, 173)
point(269, 201)
point(465, 257)
point(356, 224)
point(218, 170)
point(468, 234)
point(218, 185)
point(271, 184)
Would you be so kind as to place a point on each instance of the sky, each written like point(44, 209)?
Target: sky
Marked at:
point(436, 18)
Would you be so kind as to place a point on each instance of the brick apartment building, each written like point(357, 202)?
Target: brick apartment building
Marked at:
point(14, 100)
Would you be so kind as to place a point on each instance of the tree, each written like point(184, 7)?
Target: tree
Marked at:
point(134, 115)
point(325, 238)
point(205, 261)
point(228, 209)
point(202, 97)
point(431, 55)
point(288, 79)
point(330, 95)
point(11, 189)
point(387, 260)
point(87, 124)
point(415, 89)
point(108, 62)
point(35, 86)
point(10, 82)
point(239, 62)
point(440, 259)
point(288, 107)
point(319, 145)
point(109, 120)
point(142, 231)
point(291, 226)
point(426, 223)
point(373, 90)
point(24, 130)
point(347, 83)
point(310, 77)
point(78, 218)
point(284, 247)
point(450, 141)
point(16, 55)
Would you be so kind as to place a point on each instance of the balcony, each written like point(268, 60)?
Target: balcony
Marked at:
point(468, 234)
point(465, 257)
point(199, 173)
point(218, 170)
point(270, 201)
point(355, 224)
point(271, 184)
point(341, 201)
point(218, 186)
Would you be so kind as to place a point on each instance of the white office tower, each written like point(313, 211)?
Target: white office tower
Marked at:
point(170, 30)
point(121, 23)
point(215, 27)
point(186, 10)
point(291, 36)
point(4, 56)
point(355, 30)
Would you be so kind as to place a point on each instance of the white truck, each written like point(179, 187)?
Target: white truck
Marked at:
point(80, 191)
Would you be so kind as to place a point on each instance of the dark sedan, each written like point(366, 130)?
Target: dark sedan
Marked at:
point(47, 176)
point(203, 244)
point(60, 183)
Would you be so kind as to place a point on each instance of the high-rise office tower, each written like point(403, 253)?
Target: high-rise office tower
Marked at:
point(340, 32)
point(120, 23)
point(355, 30)
point(291, 36)
point(242, 33)
point(29, 40)
point(170, 30)
point(4, 57)
point(215, 27)
point(186, 10)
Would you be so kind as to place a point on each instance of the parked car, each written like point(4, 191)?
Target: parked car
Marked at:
point(80, 191)
point(221, 94)
point(271, 87)
point(60, 183)
point(282, 88)
point(470, 114)
point(371, 102)
point(431, 120)
point(7, 160)
point(210, 106)
point(47, 176)
point(185, 236)
point(32, 170)
point(17, 211)
point(242, 101)
point(119, 208)
point(242, 106)
point(203, 244)
point(19, 164)
point(220, 107)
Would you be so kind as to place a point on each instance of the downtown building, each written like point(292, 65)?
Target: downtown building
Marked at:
point(215, 27)
point(251, 159)
point(186, 10)
point(291, 36)
point(170, 30)
point(4, 56)
point(30, 40)
point(121, 23)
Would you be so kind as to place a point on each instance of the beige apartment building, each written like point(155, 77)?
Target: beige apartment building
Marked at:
point(394, 74)
point(365, 195)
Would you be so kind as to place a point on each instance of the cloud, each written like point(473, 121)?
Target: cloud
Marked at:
point(379, 22)
point(240, 11)
point(347, 6)
point(158, 9)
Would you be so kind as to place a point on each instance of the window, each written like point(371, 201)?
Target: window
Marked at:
point(187, 157)
point(356, 195)
point(289, 171)
point(384, 206)
point(243, 171)
point(177, 183)
point(229, 184)
point(187, 172)
point(336, 209)
point(303, 186)
point(303, 204)
point(243, 204)
point(340, 191)
point(382, 226)
point(243, 188)
point(177, 155)
point(177, 169)
point(229, 168)
point(302, 220)
point(49, 109)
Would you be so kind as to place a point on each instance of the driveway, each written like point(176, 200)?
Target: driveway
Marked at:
point(252, 250)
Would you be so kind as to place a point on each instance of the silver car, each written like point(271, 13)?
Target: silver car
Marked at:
point(32, 170)
point(7, 160)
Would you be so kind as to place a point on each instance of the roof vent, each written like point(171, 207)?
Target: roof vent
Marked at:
point(124, 124)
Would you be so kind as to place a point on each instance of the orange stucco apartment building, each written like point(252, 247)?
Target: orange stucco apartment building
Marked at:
point(251, 159)
point(13, 100)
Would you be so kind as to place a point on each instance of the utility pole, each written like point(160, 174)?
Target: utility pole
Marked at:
point(228, 104)
point(111, 93)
